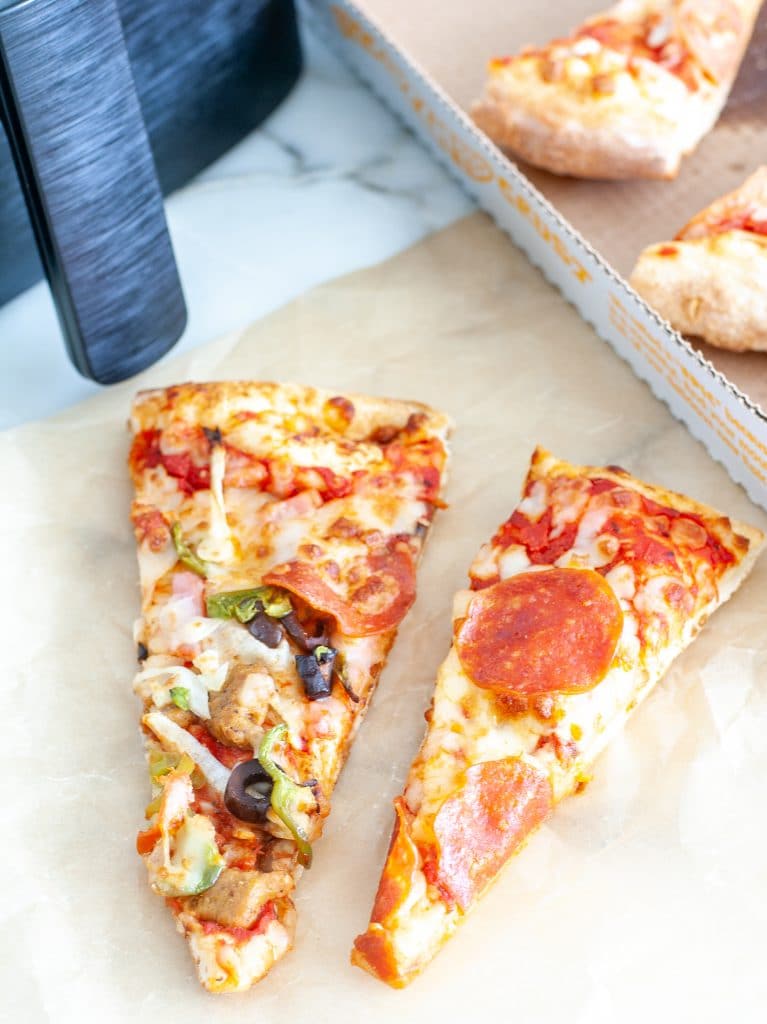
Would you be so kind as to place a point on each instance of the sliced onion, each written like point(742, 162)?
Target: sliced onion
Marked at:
point(166, 730)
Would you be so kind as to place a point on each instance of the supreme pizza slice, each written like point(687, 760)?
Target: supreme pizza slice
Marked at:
point(711, 280)
point(278, 532)
point(626, 95)
point(575, 610)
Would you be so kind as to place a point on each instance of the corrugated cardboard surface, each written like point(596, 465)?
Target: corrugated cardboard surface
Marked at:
point(643, 899)
point(453, 43)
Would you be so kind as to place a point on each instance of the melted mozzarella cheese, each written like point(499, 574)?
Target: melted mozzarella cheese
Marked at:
point(325, 452)
point(160, 490)
point(591, 548)
point(586, 46)
point(652, 595)
point(177, 624)
point(153, 565)
point(267, 435)
point(419, 922)
point(512, 561)
point(623, 581)
point(534, 504)
point(194, 862)
point(155, 682)
point(485, 565)
point(231, 642)
point(217, 545)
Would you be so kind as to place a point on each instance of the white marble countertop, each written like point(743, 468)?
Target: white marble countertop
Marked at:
point(330, 183)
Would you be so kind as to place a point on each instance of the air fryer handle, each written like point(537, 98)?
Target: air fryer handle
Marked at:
point(81, 150)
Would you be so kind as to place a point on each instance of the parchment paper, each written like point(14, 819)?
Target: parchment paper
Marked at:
point(644, 899)
point(453, 43)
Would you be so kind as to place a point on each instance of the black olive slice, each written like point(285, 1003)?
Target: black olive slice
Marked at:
point(296, 632)
point(266, 629)
point(316, 671)
point(421, 529)
point(141, 652)
point(248, 794)
point(213, 435)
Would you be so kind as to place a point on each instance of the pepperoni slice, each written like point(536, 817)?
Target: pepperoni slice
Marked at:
point(553, 631)
point(482, 824)
point(369, 596)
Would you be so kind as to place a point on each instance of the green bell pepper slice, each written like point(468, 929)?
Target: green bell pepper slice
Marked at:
point(243, 605)
point(186, 555)
point(285, 792)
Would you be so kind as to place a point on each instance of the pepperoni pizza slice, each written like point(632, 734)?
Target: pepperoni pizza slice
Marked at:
point(278, 532)
point(575, 610)
point(711, 280)
point(626, 95)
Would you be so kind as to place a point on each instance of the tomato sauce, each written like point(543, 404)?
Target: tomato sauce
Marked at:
point(424, 459)
point(430, 868)
point(600, 484)
point(328, 484)
point(146, 453)
point(644, 528)
point(632, 38)
point(712, 549)
point(741, 222)
point(228, 756)
point(262, 922)
point(150, 526)
point(542, 548)
point(145, 450)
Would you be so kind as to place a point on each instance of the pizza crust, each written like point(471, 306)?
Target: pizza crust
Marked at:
point(205, 402)
point(711, 288)
point(711, 280)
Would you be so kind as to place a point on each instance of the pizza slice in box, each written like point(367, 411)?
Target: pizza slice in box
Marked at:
point(626, 95)
point(278, 532)
point(711, 280)
point(575, 610)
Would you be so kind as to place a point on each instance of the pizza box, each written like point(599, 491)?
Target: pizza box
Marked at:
point(428, 60)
